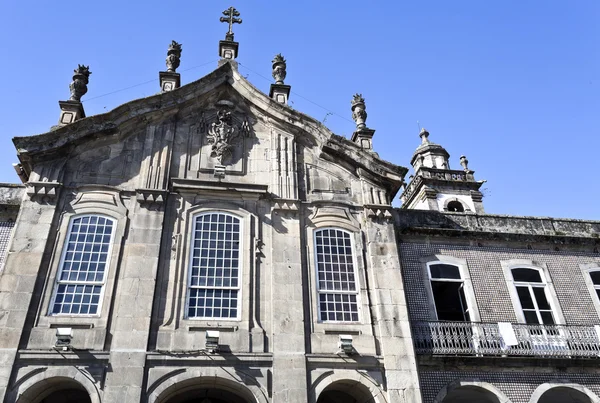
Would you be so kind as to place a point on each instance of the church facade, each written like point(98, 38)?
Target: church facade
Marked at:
point(211, 244)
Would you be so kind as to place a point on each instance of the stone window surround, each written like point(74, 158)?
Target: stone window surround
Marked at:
point(508, 265)
point(247, 244)
point(363, 326)
point(465, 276)
point(586, 269)
point(99, 320)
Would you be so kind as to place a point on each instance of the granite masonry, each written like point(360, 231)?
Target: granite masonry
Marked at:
point(211, 244)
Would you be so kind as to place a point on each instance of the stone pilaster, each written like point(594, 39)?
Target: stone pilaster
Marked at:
point(287, 305)
point(23, 261)
point(391, 312)
point(134, 292)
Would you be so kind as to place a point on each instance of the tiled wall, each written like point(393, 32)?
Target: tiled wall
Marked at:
point(489, 284)
point(517, 386)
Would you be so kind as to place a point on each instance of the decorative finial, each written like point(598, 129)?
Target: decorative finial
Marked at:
point(464, 162)
point(173, 56)
point(279, 67)
point(80, 81)
point(359, 111)
point(230, 17)
point(424, 134)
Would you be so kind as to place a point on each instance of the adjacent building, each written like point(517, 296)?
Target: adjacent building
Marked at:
point(211, 244)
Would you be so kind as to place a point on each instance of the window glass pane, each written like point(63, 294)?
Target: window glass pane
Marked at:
point(335, 269)
point(528, 275)
point(540, 297)
point(531, 317)
point(87, 234)
point(335, 273)
point(444, 271)
point(214, 267)
point(598, 293)
point(547, 318)
point(447, 298)
point(595, 275)
point(525, 298)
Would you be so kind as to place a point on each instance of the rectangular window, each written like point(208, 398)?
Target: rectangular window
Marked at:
point(448, 291)
point(336, 282)
point(531, 290)
point(83, 266)
point(214, 267)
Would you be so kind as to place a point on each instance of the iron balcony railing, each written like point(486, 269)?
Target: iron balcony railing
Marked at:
point(475, 338)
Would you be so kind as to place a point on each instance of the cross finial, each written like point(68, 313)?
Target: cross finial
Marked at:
point(230, 17)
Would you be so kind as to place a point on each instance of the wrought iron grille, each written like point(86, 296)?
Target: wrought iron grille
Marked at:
point(475, 338)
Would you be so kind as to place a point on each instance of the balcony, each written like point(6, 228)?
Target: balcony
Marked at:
point(485, 339)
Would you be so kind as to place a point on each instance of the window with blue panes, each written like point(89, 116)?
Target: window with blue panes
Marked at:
point(83, 267)
point(337, 286)
point(214, 272)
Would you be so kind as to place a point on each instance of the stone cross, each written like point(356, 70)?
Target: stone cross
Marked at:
point(230, 17)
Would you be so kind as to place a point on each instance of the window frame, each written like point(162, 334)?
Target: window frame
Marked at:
point(357, 282)
point(550, 292)
point(587, 269)
point(241, 261)
point(465, 276)
point(103, 283)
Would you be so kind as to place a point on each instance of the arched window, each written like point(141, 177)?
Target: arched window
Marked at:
point(456, 206)
point(532, 292)
point(83, 266)
point(214, 271)
point(337, 286)
point(448, 289)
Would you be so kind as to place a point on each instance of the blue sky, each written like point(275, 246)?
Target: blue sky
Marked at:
point(515, 86)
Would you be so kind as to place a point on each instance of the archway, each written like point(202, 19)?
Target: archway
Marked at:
point(56, 390)
point(471, 394)
point(203, 389)
point(563, 394)
point(472, 391)
point(346, 392)
point(201, 395)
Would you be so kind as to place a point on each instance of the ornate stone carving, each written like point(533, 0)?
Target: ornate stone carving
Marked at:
point(173, 56)
point(230, 17)
point(279, 69)
point(359, 111)
point(80, 81)
point(464, 162)
point(223, 134)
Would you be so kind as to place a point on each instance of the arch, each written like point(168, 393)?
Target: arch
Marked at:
point(44, 383)
point(356, 384)
point(455, 206)
point(243, 386)
point(465, 389)
point(544, 393)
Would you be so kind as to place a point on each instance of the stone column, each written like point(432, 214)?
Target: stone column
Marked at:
point(130, 325)
point(391, 312)
point(287, 301)
point(17, 281)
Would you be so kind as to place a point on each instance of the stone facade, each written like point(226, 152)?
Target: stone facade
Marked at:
point(211, 244)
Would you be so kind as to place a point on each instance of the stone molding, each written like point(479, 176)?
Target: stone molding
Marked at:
point(43, 191)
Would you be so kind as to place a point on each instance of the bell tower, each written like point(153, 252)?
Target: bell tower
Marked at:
point(434, 186)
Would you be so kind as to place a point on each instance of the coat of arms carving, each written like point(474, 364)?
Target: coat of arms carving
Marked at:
point(224, 134)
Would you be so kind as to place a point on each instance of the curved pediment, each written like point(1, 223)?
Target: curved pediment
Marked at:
point(219, 126)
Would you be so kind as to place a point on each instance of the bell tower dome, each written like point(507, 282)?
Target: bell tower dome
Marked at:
point(434, 186)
